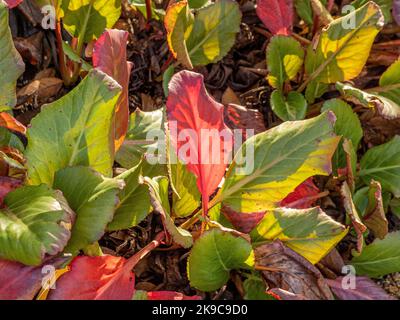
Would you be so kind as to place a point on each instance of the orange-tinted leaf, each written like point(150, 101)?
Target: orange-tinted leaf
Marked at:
point(169, 295)
point(109, 55)
point(96, 278)
point(191, 114)
point(277, 15)
point(303, 197)
point(9, 122)
point(7, 184)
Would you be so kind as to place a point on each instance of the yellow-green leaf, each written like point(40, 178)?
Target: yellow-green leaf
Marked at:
point(11, 64)
point(283, 157)
point(309, 232)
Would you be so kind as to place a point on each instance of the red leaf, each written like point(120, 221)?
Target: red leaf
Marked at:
point(18, 281)
point(277, 15)
point(364, 289)
point(9, 122)
point(96, 278)
point(101, 278)
point(303, 197)
point(169, 295)
point(191, 112)
point(243, 222)
point(12, 3)
point(7, 184)
point(109, 55)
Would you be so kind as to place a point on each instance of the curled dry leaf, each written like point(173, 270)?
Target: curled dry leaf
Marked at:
point(363, 288)
point(283, 268)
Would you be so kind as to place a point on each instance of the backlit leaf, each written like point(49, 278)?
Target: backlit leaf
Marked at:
point(109, 56)
point(87, 19)
point(277, 15)
point(207, 36)
point(309, 232)
point(284, 157)
point(385, 5)
point(194, 114)
point(74, 130)
point(9, 122)
point(284, 59)
point(343, 48)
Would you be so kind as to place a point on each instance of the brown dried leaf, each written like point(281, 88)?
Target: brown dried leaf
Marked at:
point(283, 268)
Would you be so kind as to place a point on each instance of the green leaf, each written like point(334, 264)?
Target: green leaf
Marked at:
point(343, 49)
point(11, 65)
point(212, 257)
point(255, 288)
point(292, 107)
point(207, 36)
point(305, 11)
point(158, 187)
point(347, 125)
point(35, 223)
point(395, 206)
point(284, 157)
point(390, 83)
point(87, 19)
point(387, 108)
point(134, 204)
point(385, 5)
point(70, 53)
point(141, 6)
point(309, 232)
point(382, 163)
point(284, 59)
point(74, 130)
point(197, 4)
point(93, 198)
point(137, 142)
point(167, 75)
point(7, 138)
point(379, 258)
point(185, 182)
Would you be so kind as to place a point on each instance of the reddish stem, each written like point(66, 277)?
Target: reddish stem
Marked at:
point(148, 10)
point(61, 56)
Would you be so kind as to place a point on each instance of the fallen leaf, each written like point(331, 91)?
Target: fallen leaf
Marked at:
point(283, 268)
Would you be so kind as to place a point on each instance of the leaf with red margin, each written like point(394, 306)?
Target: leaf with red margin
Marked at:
point(109, 55)
point(12, 3)
point(190, 110)
point(277, 15)
point(170, 295)
point(365, 289)
point(8, 184)
point(303, 197)
point(9, 122)
point(96, 278)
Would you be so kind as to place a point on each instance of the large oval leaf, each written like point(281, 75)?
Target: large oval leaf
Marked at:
point(93, 198)
point(212, 258)
point(309, 232)
point(283, 158)
point(11, 66)
point(74, 130)
point(277, 15)
point(36, 222)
